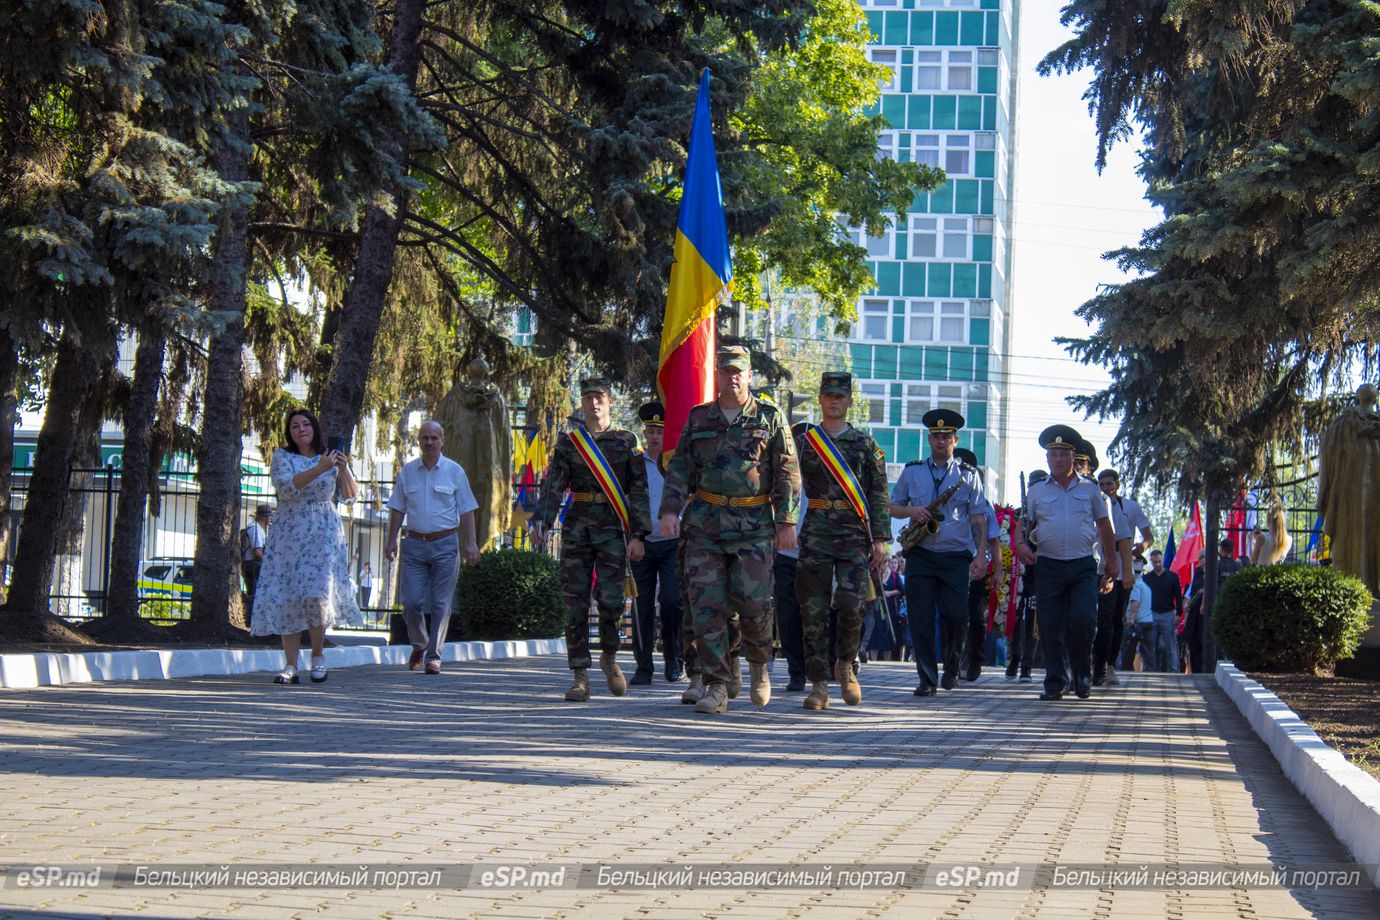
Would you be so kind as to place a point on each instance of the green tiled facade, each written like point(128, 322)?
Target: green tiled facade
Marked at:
point(935, 328)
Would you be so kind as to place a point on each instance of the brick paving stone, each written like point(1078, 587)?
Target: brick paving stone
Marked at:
point(377, 768)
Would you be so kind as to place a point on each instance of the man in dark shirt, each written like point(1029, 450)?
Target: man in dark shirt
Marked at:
point(1167, 605)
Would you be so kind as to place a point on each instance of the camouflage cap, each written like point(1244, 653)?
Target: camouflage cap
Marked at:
point(837, 382)
point(596, 385)
point(735, 357)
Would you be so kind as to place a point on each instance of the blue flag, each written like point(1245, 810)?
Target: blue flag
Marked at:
point(1169, 549)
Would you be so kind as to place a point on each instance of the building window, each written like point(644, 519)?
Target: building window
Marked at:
point(950, 397)
point(985, 140)
point(955, 238)
point(918, 402)
point(879, 247)
point(958, 157)
point(924, 237)
point(887, 58)
point(929, 70)
point(922, 397)
point(920, 321)
point(987, 57)
point(875, 395)
point(886, 145)
point(960, 71)
point(874, 320)
point(926, 149)
point(953, 322)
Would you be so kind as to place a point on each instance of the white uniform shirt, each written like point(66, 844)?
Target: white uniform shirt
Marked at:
point(432, 499)
point(1066, 519)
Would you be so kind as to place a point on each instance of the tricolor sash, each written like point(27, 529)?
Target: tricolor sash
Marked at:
point(603, 473)
point(838, 468)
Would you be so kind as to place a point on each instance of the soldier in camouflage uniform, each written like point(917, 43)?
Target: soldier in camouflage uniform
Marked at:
point(836, 544)
point(593, 542)
point(737, 460)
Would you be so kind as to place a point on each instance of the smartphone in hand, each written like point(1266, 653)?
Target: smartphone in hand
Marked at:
point(336, 444)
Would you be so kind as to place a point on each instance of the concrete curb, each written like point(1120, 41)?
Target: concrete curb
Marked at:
point(1347, 797)
point(46, 669)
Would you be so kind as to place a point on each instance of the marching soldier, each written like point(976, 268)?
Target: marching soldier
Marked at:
point(736, 458)
point(978, 590)
point(944, 497)
point(608, 518)
point(1070, 515)
point(845, 533)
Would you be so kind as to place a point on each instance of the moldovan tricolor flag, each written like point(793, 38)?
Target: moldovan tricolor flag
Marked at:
point(701, 279)
point(1186, 559)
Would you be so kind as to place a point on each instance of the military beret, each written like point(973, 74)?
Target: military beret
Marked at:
point(735, 357)
point(596, 385)
point(652, 413)
point(1060, 436)
point(942, 420)
point(839, 383)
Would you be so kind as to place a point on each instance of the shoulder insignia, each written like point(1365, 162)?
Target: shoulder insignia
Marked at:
point(880, 454)
point(914, 463)
point(968, 467)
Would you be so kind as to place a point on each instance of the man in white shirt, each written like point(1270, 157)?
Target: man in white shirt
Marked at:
point(1140, 624)
point(252, 558)
point(433, 494)
point(655, 572)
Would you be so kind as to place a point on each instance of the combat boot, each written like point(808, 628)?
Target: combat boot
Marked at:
point(715, 699)
point(849, 688)
point(819, 696)
point(735, 677)
point(608, 663)
point(579, 690)
point(761, 684)
point(695, 692)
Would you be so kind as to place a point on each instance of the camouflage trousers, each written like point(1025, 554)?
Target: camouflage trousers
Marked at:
point(728, 593)
point(580, 563)
point(689, 657)
point(821, 562)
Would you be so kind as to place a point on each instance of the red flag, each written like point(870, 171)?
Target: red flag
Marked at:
point(1186, 559)
point(1236, 527)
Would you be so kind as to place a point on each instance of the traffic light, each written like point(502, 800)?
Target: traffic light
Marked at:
point(798, 411)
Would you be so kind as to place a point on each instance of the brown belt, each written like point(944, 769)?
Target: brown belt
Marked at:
point(428, 537)
point(595, 497)
point(744, 501)
point(823, 504)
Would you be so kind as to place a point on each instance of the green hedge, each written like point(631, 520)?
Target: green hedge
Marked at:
point(1290, 618)
point(510, 594)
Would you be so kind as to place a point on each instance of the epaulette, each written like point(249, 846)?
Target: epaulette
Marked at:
point(967, 467)
point(913, 463)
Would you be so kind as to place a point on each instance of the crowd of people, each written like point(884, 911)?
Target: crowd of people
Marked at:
point(756, 540)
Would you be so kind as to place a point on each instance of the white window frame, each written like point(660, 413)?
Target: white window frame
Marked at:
point(951, 311)
point(891, 60)
point(955, 239)
point(886, 145)
point(955, 144)
point(924, 227)
point(923, 311)
point(871, 390)
point(929, 63)
point(880, 247)
point(960, 64)
point(874, 308)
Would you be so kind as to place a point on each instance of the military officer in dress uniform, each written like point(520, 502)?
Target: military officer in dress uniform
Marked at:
point(942, 492)
point(979, 590)
point(594, 541)
point(839, 465)
point(655, 573)
point(1070, 515)
point(737, 460)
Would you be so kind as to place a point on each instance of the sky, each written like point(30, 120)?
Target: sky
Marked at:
point(1066, 216)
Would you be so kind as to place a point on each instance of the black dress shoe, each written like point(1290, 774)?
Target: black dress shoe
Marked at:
point(972, 676)
point(1083, 690)
point(795, 686)
point(926, 690)
point(1099, 679)
point(949, 680)
point(640, 680)
point(1052, 696)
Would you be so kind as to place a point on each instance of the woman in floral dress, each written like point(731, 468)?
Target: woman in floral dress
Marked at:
point(305, 579)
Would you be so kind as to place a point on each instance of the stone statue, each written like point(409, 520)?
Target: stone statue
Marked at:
point(479, 437)
point(1349, 488)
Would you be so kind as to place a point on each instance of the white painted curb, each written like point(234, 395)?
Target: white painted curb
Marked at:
point(1347, 797)
point(55, 669)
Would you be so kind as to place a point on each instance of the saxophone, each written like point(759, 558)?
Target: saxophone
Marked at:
point(911, 535)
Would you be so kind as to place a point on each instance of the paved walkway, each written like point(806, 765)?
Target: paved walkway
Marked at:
point(486, 764)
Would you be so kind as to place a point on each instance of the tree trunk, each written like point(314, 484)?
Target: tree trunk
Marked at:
point(343, 398)
point(85, 345)
point(9, 416)
point(216, 609)
point(121, 622)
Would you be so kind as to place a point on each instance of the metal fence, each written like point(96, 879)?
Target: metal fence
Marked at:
point(81, 581)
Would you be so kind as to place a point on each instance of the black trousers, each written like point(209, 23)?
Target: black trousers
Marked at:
point(655, 574)
point(1111, 627)
point(1067, 589)
point(937, 584)
point(249, 568)
point(977, 626)
point(1020, 650)
point(788, 623)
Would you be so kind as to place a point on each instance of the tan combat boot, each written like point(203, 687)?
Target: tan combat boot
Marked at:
point(695, 692)
point(579, 690)
point(819, 696)
point(849, 687)
point(735, 677)
point(761, 684)
point(715, 699)
point(608, 663)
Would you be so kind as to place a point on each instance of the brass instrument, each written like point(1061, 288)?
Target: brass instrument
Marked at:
point(911, 535)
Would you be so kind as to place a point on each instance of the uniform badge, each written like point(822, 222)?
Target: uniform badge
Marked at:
point(879, 454)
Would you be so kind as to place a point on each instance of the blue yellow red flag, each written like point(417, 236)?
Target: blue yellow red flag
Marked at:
point(603, 473)
point(838, 468)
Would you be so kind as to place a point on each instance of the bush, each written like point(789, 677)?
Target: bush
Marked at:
point(163, 610)
point(1290, 618)
point(510, 594)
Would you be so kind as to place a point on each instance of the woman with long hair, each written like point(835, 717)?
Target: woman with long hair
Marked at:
point(305, 580)
point(1272, 547)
